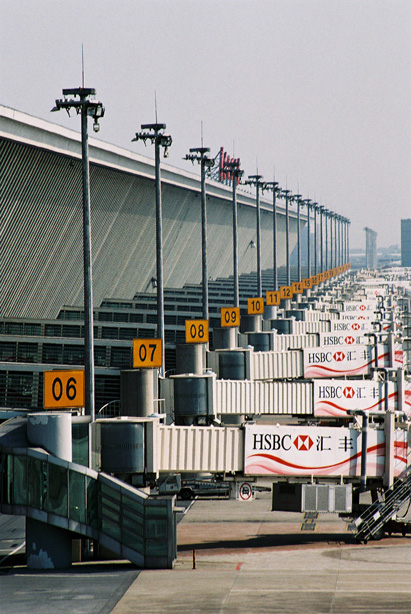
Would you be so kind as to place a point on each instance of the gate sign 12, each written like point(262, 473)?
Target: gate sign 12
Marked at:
point(197, 331)
point(63, 389)
point(147, 353)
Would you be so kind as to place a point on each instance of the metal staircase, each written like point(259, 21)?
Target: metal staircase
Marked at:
point(372, 521)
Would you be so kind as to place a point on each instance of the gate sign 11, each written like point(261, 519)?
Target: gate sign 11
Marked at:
point(230, 316)
point(147, 353)
point(63, 389)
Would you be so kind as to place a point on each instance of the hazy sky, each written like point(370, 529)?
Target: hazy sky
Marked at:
point(320, 90)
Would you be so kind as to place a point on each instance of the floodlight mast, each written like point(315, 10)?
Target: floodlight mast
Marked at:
point(154, 134)
point(286, 194)
point(315, 207)
point(297, 199)
point(274, 187)
point(199, 154)
point(233, 168)
point(94, 109)
point(255, 180)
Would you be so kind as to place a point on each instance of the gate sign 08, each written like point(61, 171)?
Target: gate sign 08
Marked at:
point(147, 353)
point(63, 389)
point(197, 331)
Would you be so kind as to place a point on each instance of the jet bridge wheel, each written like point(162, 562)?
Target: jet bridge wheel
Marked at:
point(186, 494)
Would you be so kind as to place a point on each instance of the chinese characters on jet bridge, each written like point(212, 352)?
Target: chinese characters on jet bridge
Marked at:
point(335, 397)
point(346, 360)
point(319, 451)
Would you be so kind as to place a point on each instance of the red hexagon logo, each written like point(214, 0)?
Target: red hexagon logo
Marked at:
point(339, 356)
point(355, 326)
point(349, 340)
point(363, 307)
point(348, 392)
point(303, 443)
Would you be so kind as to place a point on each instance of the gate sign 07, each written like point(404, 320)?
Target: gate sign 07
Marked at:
point(197, 331)
point(147, 353)
point(255, 306)
point(230, 316)
point(63, 389)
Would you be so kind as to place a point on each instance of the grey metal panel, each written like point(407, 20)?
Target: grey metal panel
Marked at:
point(295, 342)
point(41, 226)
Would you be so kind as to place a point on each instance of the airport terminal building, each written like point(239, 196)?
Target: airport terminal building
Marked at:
point(41, 292)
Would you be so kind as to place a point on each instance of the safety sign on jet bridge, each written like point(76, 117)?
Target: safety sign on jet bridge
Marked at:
point(316, 450)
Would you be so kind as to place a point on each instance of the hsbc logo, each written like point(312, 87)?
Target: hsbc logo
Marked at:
point(355, 326)
point(363, 307)
point(339, 356)
point(349, 340)
point(303, 443)
point(349, 392)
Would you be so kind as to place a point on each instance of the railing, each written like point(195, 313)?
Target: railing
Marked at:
point(95, 505)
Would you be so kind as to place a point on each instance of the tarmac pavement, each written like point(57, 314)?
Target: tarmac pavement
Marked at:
point(249, 560)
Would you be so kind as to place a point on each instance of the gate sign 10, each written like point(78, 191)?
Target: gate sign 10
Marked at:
point(255, 306)
point(230, 316)
point(197, 331)
point(147, 353)
point(63, 389)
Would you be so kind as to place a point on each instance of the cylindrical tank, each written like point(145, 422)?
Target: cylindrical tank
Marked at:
point(298, 314)
point(282, 325)
point(137, 392)
point(225, 338)
point(250, 323)
point(122, 446)
point(260, 341)
point(51, 431)
point(190, 398)
point(190, 358)
point(231, 365)
point(270, 312)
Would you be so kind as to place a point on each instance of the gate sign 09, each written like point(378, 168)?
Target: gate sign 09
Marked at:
point(63, 389)
point(230, 316)
point(147, 353)
point(197, 331)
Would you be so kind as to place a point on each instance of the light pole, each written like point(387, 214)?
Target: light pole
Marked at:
point(297, 199)
point(331, 239)
point(273, 185)
point(286, 194)
point(307, 202)
point(154, 133)
point(315, 207)
point(256, 181)
point(326, 212)
point(321, 210)
point(86, 108)
point(199, 154)
point(233, 168)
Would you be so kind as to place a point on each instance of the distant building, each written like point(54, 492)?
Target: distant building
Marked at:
point(370, 249)
point(406, 242)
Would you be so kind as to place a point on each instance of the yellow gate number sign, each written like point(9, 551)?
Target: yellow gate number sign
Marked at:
point(297, 287)
point(63, 389)
point(306, 283)
point(147, 353)
point(230, 316)
point(286, 292)
point(197, 331)
point(255, 306)
point(272, 297)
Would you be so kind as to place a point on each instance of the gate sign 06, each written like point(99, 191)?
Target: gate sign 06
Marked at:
point(63, 389)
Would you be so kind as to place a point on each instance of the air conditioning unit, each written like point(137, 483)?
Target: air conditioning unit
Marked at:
point(294, 497)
